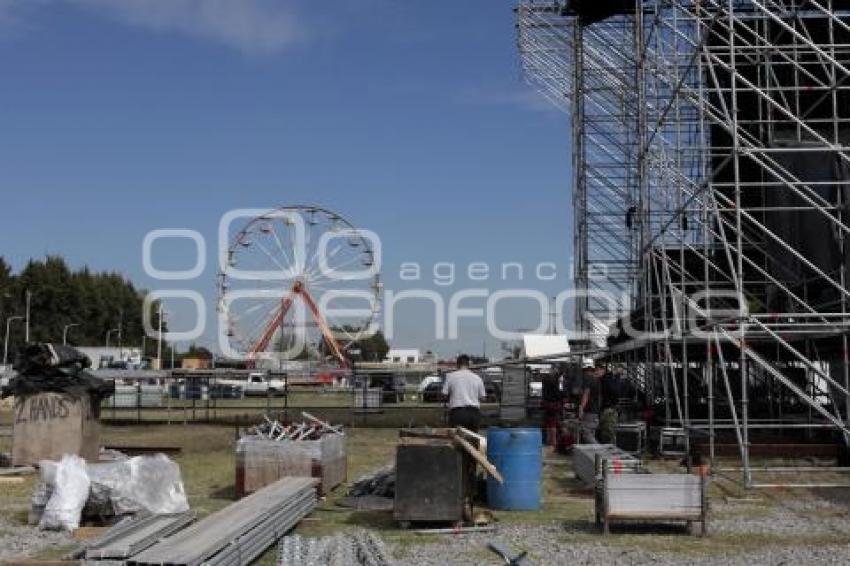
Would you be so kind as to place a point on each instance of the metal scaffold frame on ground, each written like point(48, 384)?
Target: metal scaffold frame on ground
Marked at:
point(711, 176)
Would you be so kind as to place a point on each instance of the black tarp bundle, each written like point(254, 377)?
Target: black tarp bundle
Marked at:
point(44, 367)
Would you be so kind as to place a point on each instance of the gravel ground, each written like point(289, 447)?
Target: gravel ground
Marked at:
point(795, 517)
point(18, 541)
point(550, 545)
point(769, 519)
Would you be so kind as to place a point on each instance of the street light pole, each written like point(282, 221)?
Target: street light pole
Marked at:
point(108, 332)
point(65, 332)
point(6, 341)
point(159, 340)
point(27, 337)
point(120, 334)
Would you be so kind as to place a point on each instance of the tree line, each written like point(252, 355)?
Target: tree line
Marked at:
point(95, 303)
point(90, 304)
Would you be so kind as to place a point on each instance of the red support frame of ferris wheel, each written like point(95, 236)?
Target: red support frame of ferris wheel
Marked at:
point(300, 290)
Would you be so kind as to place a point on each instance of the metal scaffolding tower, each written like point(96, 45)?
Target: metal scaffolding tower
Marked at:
point(711, 176)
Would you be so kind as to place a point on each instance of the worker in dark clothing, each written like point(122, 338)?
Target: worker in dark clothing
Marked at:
point(609, 416)
point(553, 404)
point(590, 404)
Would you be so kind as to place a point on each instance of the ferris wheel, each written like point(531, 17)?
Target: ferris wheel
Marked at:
point(298, 282)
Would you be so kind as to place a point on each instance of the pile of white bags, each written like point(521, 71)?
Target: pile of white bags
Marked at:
point(142, 484)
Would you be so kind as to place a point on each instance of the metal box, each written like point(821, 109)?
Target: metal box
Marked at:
point(589, 459)
point(631, 437)
point(430, 482)
point(672, 442)
point(261, 461)
point(651, 497)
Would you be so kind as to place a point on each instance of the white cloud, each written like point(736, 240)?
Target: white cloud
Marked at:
point(251, 26)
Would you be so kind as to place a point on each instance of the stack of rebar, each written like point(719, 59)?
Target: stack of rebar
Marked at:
point(360, 548)
point(272, 450)
point(311, 428)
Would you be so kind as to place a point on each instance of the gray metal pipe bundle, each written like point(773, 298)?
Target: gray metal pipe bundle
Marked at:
point(131, 536)
point(240, 532)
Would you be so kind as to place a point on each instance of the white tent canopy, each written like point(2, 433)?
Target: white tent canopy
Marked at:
point(539, 345)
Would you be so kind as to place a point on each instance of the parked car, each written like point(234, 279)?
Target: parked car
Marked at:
point(188, 389)
point(226, 390)
point(493, 391)
point(428, 380)
point(433, 393)
point(260, 384)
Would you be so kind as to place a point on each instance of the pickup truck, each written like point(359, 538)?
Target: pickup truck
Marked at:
point(262, 385)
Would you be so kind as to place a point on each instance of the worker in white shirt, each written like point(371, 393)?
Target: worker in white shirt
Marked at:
point(464, 390)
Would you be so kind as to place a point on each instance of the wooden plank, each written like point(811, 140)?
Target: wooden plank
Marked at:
point(144, 450)
point(17, 471)
point(480, 458)
point(11, 479)
point(88, 533)
point(474, 438)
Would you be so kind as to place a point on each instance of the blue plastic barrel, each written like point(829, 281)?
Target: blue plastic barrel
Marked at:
point(518, 455)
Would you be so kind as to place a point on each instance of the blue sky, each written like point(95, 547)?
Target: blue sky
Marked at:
point(409, 117)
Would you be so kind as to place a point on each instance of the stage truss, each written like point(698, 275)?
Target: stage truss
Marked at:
point(711, 156)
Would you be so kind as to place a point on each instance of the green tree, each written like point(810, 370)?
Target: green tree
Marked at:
point(196, 351)
point(94, 302)
point(372, 348)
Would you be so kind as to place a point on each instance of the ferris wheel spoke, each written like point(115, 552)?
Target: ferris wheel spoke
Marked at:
point(312, 264)
point(297, 252)
point(272, 326)
point(280, 245)
point(350, 261)
point(254, 308)
point(270, 256)
point(317, 271)
point(257, 324)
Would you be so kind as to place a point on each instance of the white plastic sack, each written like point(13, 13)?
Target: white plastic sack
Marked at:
point(142, 483)
point(70, 490)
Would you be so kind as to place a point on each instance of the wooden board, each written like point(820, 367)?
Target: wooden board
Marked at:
point(88, 533)
point(480, 458)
